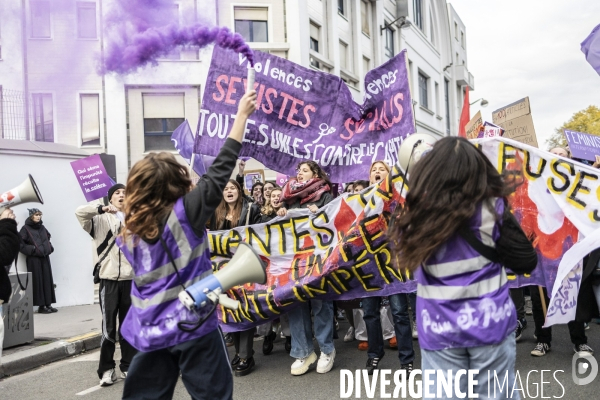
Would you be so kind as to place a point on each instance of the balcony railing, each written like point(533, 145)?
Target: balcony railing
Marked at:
point(15, 122)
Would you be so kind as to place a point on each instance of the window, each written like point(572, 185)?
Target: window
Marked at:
point(341, 7)
point(344, 61)
point(447, 104)
point(456, 30)
point(462, 39)
point(389, 43)
point(315, 35)
point(423, 95)
point(163, 113)
point(43, 117)
point(364, 18)
point(40, 19)
point(86, 20)
point(90, 119)
point(431, 29)
point(437, 98)
point(418, 15)
point(457, 59)
point(366, 65)
point(251, 23)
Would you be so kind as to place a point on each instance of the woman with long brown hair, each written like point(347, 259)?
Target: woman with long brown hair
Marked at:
point(235, 211)
point(310, 189)
point(272, 203)
point(456, 205)
point(166, 243)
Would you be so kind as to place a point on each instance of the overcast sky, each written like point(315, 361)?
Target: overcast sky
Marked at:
point(519, 48)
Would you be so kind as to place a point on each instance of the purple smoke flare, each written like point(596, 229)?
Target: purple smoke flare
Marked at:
point(154, 42)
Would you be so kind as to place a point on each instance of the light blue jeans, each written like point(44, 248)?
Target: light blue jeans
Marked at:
point(301, 328)
point(498, 359)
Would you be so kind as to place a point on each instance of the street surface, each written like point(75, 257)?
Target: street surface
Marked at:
point(76, 378)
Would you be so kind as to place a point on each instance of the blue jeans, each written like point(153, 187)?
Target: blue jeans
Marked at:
point(498, 359)
point(399, 306)
point(302, 332)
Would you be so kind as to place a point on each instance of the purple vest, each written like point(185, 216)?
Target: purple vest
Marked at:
point(151, 323)
point(462, 297)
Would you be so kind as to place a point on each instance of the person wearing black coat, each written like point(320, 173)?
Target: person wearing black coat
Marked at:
point(235, 211)
point(9, 249)
point(35, 244)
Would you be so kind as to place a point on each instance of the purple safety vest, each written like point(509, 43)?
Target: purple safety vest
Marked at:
point(151, 323)
point(462, 297)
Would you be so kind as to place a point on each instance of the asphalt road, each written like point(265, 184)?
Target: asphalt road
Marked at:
point(76, 378)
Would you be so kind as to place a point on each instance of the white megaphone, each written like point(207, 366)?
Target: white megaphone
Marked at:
point(26, 192)
point(244, 267)
point(413, 148)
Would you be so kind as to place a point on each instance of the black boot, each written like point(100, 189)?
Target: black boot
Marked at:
point(235, 361)
point(44, 310)
point(244, 367)
point(268, 343)
point(288, 344)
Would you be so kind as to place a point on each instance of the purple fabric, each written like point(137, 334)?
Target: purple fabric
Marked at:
point(591, 48)
point(92, 177)
point(306, 114)
point(583, 145)
point(468, 321)
point(155, 327)
point(183, 140)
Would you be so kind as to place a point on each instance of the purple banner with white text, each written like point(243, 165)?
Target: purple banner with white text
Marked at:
point(307, 115)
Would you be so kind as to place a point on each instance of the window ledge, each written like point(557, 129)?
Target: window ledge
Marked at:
point(368, 35)
point(342, 15)
point(325, 61)
point(89, 39)
point(41, 38)
point(439, 117)
point(427, 110)
point(349, 75)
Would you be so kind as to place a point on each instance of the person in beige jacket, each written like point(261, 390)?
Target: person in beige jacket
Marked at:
point(104, 223)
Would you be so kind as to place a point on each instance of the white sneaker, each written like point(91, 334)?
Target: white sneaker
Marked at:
point(108, 378)
point(325, 362)
point(123, 374)
point(349, 335)
point(301, 365)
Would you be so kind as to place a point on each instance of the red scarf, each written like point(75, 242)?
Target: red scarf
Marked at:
point(311, 190)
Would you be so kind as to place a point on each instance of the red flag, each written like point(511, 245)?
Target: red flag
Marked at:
point(465, 116)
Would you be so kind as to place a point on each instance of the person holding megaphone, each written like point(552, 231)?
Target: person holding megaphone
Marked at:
point(166, 242)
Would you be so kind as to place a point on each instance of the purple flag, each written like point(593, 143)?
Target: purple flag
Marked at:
point(92, 177)
point(591, 48)
point(183, 140)
point(307, 115)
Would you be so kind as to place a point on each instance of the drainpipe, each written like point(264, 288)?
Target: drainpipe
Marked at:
point(25, 73)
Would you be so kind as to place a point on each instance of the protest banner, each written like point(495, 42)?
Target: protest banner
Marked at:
point(340, 252)
point(92, 177)
point(583, 145)
point(557, 205)
point(307, 115)
point(517, 122)
point(474, 127)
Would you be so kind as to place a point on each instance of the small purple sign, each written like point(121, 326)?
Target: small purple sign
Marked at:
point(281, 179)
point(92, 177)
point(583, 145)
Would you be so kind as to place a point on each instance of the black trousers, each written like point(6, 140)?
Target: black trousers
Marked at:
point(115, 300)
point(204, 366)
point(518, 298)
point(244, 343)
point(544, 335)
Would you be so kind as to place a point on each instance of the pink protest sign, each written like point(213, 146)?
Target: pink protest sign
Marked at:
point(92, 177)
point(281, 179)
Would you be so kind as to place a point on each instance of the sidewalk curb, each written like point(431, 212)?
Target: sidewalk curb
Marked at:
point(45, 354)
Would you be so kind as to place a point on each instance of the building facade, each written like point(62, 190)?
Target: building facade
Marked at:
point(50, 89)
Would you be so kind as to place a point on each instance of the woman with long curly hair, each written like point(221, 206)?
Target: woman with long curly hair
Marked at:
point(310, 189)
point(235, 211)
point(466, 317)
point(166, 242)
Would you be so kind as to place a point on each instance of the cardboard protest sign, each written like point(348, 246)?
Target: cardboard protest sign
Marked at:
point(251, 177)
point(92, 177)
point(517, 122)
point(583, 145)
point(474, 127)
point(307, 115)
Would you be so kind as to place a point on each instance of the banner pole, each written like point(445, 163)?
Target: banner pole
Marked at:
point(543, 299)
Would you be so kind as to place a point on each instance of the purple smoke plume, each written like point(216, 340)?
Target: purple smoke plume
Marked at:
point(142, 33)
